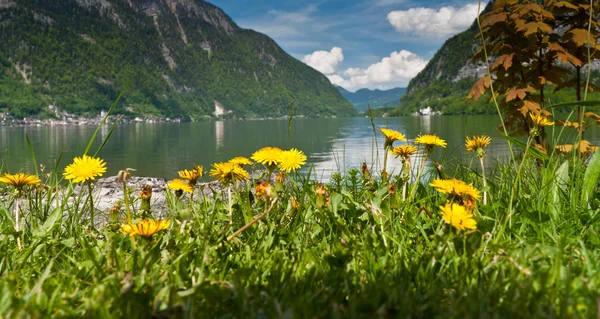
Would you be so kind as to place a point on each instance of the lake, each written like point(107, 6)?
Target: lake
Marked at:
point(160, 150)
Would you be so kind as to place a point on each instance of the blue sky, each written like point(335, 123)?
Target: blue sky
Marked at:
point(357, 43)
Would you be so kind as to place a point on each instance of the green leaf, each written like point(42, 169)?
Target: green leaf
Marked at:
point(530, 151)
point(49, 223)
point(559, 184)
point(590, 178)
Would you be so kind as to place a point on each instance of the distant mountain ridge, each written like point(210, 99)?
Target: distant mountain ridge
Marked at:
point(363, 98)
point(177, 58)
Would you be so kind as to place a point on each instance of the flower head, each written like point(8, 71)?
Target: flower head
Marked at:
point(192, 175)
point(321, 190)
point(291, 160)
point(240, 160)
point(146, 192)
point(263, 189)
point(391, 136)
point(180, 185)
point(430, 140)
point(404, 151)
point(268, 156)
point(145, 228)
point(20, 180)
point(477, 142)
point(456, 188)
point(85, 168)
point(458, 216)
point(540, 120)
point(228, 173)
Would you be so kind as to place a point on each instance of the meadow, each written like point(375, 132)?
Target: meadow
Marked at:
point(446, 239)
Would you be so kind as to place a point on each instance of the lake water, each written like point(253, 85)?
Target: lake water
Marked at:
point(160, 150)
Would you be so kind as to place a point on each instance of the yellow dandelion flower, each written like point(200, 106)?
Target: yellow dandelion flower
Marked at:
point(145, 228)
point(85, 168)
point(391, 136)
point(540, 120)
point(20, 180)
point(228, 173)
point(180, 185)
point(456, 187)
point(430, 140)
point(458, 216)
point(404, 151)
point(240, 160)
point(477, 142)
point(291, 160)
point(268, 156)
point(193, 174)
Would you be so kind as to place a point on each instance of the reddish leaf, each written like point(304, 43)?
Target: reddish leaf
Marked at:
point(528, 107)
point(479, 88)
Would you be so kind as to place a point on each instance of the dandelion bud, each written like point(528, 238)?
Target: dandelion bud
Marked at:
point(320, 192)
point(279, 180)
point(295, 203)
point(263, 189)
point(392, 189)
point(146, 195)
point(365, 169)
point(113, 218)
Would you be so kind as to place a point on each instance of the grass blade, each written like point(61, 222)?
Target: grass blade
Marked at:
point(590, 177)
point(112, 107)
point(35, 166)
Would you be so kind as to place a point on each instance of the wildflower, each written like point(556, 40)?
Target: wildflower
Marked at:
point(391, 136)
point(263, 189)
point(146, 192)
point(540, 120)
point(268, 156)
point(291, 160)
point(365, 169)
point(430, 140)
point(123, 176)
point(458, 216)
point(180, 186)
point(20, 180)
point(280, 178)
point(404, 151)
point(240, 160)
point(192, 175)
point(145, 228)
point(85, 168)
point(477, 143)
point(228, 173)
point(456, 187)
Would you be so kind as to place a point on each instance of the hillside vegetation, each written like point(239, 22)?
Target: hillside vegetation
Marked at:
point(176, 58)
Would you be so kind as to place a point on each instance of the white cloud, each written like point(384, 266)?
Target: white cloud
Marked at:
point(433, 23)
point(393, 71)
point(325, 62)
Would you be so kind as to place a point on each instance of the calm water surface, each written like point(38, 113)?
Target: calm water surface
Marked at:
point(162, 149)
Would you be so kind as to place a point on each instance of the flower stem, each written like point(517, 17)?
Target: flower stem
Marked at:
point(17, 223)
point(230, 205)
point(384, 172)
point(484, 181)
point(414, 189)
point(91, 196)
point(126, 199)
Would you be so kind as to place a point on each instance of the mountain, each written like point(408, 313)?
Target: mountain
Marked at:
point(362, 98)
point(177, 58)
point(448, 77)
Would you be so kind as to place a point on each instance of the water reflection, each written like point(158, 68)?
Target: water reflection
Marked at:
point(331, 144)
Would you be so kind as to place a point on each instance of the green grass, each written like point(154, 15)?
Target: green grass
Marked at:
point(367, 254)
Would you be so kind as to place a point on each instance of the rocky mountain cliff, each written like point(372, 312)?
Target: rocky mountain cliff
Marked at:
point(177, 58)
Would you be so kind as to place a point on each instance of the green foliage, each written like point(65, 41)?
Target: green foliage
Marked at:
point(80, 59)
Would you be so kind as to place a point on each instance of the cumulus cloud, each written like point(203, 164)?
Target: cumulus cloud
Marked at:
point(325, 62)
point(429, 22)
point(393, 71)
